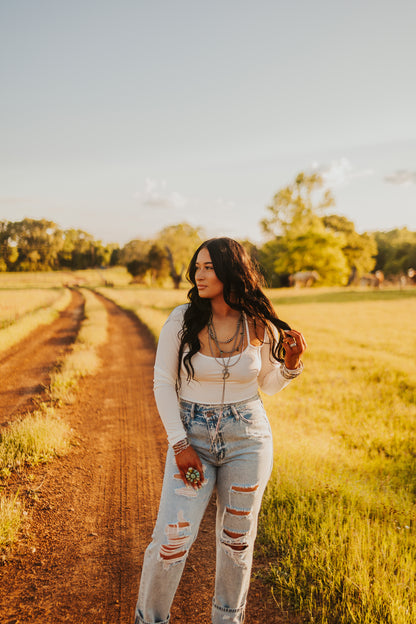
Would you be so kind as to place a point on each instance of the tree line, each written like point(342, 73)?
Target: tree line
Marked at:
point(41, 245)
point(301, 235)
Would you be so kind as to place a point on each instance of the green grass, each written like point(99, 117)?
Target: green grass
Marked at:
point(10, 520)
point(338, 517)
point(35, 439)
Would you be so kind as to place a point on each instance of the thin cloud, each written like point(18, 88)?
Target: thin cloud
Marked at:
point(340, 172)
point(402, 177)
point(156, 195)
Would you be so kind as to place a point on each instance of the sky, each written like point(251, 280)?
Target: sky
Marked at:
point(120, 117)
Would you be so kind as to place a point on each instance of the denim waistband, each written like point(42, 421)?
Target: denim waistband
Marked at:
point(185, 403)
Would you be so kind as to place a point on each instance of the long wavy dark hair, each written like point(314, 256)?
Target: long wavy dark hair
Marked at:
point(242, 283)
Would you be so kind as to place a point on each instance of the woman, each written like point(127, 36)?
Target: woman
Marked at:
point(213, 355)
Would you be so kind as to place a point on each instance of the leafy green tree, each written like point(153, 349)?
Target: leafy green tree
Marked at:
point(137, 268)
point(136, 249)
point(267, 256)
point(102, 254)
point(115, 252)
point(303, 238)
point(134, 255)
point(143, 257)
point(79, 250)
point(40, 245)
point(299, 240)
point(158, 263)
point(297, 206)
point(4, 245)
point(360, 250)
point(396, 251)
point(179, 242)
point(316, 250)
point(37, 243)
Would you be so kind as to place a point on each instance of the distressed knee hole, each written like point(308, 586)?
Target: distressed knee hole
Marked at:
point(178, 535)
point(232, 534)
point(170, 553)
point(236, 536)
point(237, 512)
point(239, 517)
point(236, 547)
point(244, 488)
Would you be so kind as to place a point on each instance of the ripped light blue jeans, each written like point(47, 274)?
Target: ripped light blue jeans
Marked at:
point(237, 462)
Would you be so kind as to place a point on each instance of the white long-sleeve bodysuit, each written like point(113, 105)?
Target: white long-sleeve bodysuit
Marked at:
point(252, 370)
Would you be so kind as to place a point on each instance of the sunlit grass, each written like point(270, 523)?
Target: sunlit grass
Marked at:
point(339, 514)
point(83, 359)
point(338, 518)
point(32, 319)
point(10, 520)
point(35, 439)
point(15, 303)
point(36, 279)
point(48, 279)
point(93, 331)
point(338, 294)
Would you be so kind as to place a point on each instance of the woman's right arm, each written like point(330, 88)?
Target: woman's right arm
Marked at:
point(165, 374)
point(166, 370)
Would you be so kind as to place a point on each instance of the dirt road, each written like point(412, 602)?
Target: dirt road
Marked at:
point(91, 513)
point(26, 367)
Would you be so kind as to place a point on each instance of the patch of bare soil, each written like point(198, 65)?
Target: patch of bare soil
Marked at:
point(25, 368)
point(91, 513)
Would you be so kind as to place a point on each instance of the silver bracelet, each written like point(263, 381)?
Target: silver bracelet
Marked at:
point(291, 373)
point(180, 446)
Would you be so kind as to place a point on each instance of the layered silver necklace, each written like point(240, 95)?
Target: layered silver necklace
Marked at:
point(236, 343)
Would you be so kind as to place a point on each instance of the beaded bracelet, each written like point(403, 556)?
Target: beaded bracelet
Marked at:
point(180, 446)
point(291, 373)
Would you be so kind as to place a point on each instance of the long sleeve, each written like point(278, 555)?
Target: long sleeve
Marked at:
point(165, 374)
point(270, 378)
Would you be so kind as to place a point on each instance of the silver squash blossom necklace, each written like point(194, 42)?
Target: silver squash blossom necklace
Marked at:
point(224, 359)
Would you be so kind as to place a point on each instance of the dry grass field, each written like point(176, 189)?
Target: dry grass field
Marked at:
point(16, 303)
point(50, 279)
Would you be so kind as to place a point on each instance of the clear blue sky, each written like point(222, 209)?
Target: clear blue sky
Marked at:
point(120, 117)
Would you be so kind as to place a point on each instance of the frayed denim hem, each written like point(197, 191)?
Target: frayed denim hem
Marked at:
point(225, 615)
point(139, 620)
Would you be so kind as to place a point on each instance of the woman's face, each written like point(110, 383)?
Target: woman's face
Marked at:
point(208, 284)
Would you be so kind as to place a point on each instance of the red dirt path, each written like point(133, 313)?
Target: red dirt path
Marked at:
point(91, 512)
point(25, 368)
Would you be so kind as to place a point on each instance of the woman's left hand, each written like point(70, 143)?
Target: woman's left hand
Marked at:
point(294, 345)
